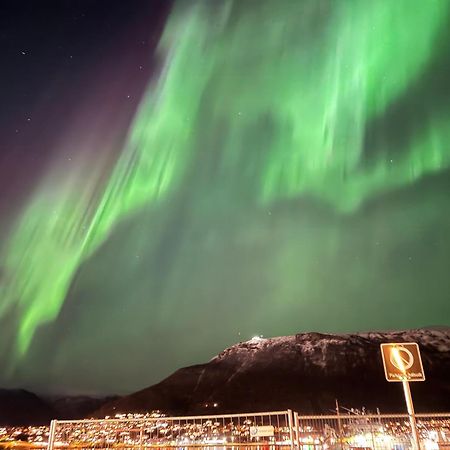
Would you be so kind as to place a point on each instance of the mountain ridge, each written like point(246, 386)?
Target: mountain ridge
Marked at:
point(305, 372)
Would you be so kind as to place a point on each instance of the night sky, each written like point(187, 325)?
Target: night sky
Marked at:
point(176, 178)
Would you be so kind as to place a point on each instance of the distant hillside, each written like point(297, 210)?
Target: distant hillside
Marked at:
point(21, 407)
point(305, 372)
point(77, 407)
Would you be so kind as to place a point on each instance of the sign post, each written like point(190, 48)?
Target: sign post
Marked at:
point(402, 362)
point(411, 414)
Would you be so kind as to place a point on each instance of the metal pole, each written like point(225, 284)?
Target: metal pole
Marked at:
point(51, 435)
point(339, 424)
point(411, 414)
point(291, 426)
point(297, 429)
point(371, 433)
point(141, 437)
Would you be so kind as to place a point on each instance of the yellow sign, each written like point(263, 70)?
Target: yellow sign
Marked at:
point(402, 362)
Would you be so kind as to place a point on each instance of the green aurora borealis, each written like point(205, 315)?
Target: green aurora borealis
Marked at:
point(287, 170)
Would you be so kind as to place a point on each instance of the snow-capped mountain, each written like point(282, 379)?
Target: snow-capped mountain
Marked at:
point(306, 372)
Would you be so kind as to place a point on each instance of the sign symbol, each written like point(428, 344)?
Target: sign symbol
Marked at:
point(402, 361)
point(401, 358)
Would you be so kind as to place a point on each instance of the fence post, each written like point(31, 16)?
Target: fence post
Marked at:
point(371, 434)
point(339, 424)
point(141, 436)
point(297, 429)
point(51, 435)
point(291, 428)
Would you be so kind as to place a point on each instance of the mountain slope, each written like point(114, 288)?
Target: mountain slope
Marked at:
point(76, 407)
point(305, 372)
point(21, 407)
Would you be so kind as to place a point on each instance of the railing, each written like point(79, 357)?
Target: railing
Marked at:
point(377, 432)
point(228, 430)
point(258, 431)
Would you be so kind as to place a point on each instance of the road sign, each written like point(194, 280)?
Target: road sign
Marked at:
point(402, 362)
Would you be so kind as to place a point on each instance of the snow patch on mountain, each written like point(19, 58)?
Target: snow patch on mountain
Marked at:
point(318, 348)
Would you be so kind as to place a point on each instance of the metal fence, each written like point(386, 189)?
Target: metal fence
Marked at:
point(258, 431)
point(229, 430)
point(377, 432)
